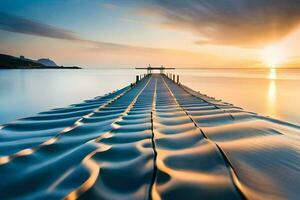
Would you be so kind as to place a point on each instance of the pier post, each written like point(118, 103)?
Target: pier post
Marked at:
point(173, 77)
point(137, 78)
point(177, 79)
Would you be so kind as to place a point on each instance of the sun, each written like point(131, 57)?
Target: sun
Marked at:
point(272, 56)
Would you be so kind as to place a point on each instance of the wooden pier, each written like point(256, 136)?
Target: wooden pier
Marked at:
point(155, 139)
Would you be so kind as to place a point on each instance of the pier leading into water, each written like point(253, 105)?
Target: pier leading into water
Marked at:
point(155, 139)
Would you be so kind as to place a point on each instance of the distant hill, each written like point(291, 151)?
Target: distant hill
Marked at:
point(11, 62)
point(47, 62)
point(7, 61)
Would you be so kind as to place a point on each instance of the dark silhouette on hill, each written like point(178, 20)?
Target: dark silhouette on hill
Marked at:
point(11, 62)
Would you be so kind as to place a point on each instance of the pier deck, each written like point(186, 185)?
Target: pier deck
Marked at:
point(155, 140)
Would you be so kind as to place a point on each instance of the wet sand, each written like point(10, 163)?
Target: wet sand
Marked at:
point(156, 140)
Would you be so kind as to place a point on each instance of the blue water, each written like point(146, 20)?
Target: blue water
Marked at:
point(26, 92)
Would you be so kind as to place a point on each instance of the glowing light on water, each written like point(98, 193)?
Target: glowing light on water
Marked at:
point(272, 74)
point(272, 93)
point(272, 98)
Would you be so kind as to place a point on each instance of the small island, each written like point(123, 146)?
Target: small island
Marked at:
point(11, 62)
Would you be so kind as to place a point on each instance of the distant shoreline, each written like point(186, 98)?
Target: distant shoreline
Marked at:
point(11, 62)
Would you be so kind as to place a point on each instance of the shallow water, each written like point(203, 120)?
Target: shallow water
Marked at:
point(26, 92)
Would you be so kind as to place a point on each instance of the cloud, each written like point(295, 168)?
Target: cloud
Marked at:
point(30, 27)
point(95, 53)
point(98, 51)
point(20, 25)
point(247, 23)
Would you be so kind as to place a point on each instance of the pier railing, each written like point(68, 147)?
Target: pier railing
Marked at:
point(161, 70)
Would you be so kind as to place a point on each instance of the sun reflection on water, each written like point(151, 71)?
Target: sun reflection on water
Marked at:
point(271, 103)
point(272, 74)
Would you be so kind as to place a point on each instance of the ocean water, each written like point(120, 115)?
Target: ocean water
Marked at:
point(24, 93)
point(268, 92)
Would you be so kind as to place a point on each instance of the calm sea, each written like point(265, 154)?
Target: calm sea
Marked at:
point(272, 93)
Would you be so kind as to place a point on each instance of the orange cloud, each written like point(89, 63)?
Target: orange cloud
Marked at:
point(234, 22)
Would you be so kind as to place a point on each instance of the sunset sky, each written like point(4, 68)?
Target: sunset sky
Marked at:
point(127, 33)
